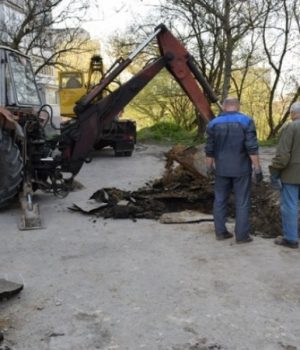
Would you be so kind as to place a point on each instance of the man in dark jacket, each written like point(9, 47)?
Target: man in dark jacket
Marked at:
point(285, 176)
point(231, 153)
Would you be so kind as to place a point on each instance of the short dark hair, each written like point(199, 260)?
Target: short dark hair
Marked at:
point(231, 100)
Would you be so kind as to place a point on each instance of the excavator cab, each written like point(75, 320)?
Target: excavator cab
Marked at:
point(18, 88)
point(19, 104)
point(71, 88)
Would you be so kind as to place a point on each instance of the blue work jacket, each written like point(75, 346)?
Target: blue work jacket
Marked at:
point(231, 138)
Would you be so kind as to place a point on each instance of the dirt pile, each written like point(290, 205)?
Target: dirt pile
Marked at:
point(184, 186)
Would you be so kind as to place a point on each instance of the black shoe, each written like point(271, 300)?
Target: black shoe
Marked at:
point(246, 240)
point(286, 243)
point(223, 236)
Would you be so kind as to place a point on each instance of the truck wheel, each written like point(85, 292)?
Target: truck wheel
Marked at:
point(11, 165)
point(119, 153)
point(127, 154)
point(123, 153)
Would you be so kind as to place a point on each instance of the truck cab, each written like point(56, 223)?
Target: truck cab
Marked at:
point(71, 88)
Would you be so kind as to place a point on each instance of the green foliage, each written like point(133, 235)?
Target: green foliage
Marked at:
point(268, 143)
point(167, 132)
point(171, 133)
point(164, 100)
point(254, 96)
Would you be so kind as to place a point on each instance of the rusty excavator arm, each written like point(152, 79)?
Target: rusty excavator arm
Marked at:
point(93, 113)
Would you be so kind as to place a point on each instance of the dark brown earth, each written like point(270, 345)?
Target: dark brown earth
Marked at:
point(183, 187)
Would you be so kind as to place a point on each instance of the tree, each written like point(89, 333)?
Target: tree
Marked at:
point(217, 30)
point(44, 29)
point(280, 34)
point(162, 99)
point(246, 48)
point(255, 92)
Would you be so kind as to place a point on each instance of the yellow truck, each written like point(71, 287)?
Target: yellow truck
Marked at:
point(120, 134)
point(72, 85)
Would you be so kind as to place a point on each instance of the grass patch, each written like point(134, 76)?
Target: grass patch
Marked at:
point(172, 134)
point(268, 143)
point(168, 133)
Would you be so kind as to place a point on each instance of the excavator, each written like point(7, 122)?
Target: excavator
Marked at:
point(30, 161)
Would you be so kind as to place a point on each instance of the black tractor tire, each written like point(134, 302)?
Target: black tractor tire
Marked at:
point(11, 168)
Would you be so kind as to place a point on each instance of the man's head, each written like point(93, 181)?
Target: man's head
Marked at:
point(231, 104)
point(295, 110)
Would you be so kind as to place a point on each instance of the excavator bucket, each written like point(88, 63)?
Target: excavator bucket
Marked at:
point(190, 158)
point(30, 219)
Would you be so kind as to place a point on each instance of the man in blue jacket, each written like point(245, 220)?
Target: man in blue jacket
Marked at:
point(232, 154)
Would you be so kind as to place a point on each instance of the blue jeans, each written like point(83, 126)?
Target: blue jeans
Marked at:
point(241, 187)
point(289, 199)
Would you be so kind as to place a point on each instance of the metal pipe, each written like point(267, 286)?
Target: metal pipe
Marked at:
point(144, 44)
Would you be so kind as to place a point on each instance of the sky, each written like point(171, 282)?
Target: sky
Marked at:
point(108, 16)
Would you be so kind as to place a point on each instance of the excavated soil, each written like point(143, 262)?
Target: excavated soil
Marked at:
point(183, 187)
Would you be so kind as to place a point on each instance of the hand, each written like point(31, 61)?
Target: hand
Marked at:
point(275, 182)
point(211, 172)
point(258, 175)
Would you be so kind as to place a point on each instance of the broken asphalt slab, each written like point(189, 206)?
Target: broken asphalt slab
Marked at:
point(9, 289)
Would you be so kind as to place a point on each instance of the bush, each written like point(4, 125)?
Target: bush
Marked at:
point(268, 143)
point(167, 132)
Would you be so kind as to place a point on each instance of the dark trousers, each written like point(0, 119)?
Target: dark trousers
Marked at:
point(241, 187)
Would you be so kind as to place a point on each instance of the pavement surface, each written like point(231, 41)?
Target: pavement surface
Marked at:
point(91, 283)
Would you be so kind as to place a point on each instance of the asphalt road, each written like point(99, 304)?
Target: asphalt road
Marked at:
point(91, 283)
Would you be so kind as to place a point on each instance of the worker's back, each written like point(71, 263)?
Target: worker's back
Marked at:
point(232, 136)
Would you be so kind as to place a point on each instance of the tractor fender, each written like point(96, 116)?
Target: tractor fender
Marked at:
point(7, 122)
